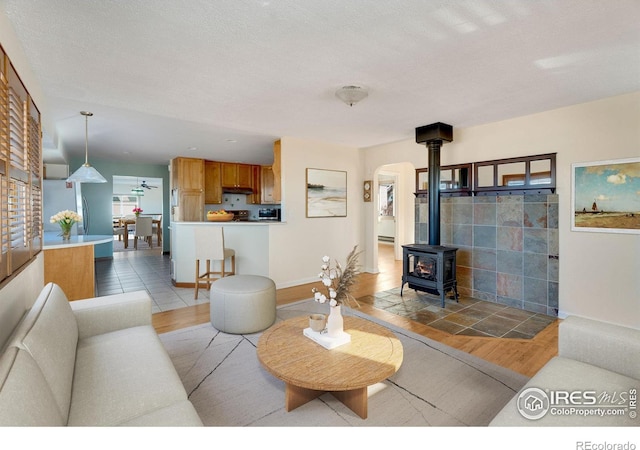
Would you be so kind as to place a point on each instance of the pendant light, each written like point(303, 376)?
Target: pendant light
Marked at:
point(86, 173)
point(137, 191)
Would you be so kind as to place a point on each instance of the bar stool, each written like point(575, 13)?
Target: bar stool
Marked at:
point(209, 246)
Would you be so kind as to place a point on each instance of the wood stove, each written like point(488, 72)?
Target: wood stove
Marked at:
point(430, 268)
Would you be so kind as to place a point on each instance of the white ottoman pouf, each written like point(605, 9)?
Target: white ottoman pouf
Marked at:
point(243, 304)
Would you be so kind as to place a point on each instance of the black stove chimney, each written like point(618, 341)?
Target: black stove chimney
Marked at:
point(433, 136)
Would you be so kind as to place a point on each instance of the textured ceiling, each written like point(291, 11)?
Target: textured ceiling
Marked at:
point(161, 77)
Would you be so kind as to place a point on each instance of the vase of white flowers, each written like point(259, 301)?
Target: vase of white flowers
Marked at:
point(337, 282)
point(66, 219)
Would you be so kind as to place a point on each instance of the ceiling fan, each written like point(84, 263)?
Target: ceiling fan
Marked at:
point(146, 186)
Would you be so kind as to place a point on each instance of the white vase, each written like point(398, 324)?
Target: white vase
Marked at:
point(335, 322)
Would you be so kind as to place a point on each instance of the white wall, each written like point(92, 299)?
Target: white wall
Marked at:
point(598, 271)
point(296, 248)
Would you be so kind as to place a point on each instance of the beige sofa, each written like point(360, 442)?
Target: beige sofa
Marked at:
point(594, 380)
point(94, 362)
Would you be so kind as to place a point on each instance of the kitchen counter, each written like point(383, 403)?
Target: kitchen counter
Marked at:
point(53, 240)
point(71, 264)
point(250, 240)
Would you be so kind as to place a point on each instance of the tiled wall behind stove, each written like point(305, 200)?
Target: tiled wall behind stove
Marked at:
point(508, 247)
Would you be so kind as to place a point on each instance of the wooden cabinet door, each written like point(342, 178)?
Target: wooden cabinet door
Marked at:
point(212, 182)
point(190, 173)
point(245, 176)
point(229, 174)
point(236, 175)
point(266, 184)
point(191, 206)
point(256, 197)
point(277, 187)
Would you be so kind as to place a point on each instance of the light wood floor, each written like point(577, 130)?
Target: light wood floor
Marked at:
point(525, 356)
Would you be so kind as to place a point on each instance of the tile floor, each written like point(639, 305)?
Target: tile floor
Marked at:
point(150, 270)
point(144, 269)
point(468, 316)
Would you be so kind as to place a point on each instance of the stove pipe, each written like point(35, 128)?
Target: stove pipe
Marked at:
point(433, 135)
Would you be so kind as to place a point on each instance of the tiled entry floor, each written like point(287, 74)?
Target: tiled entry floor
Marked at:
point(145, 269)
point(468, 317)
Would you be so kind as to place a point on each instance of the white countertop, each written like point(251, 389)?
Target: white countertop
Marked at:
point(246, 223)
point(52, 240)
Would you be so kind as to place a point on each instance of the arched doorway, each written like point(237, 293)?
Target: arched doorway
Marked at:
point(396, 229)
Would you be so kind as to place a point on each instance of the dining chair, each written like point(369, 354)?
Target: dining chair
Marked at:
point(157, 227)
point(144, 230)
point(118, 230)
point(209, 245)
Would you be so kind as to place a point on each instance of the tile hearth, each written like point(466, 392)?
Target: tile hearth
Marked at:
point(470, 317)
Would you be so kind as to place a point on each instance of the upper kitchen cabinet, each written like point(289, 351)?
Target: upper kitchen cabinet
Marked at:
point(212, 182)
point(188, 187)
point(266, 185)
point(276, 169)
point(256, 175)
point(236, 176)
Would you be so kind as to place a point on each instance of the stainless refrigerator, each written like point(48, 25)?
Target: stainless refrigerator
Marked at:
point(58, 195)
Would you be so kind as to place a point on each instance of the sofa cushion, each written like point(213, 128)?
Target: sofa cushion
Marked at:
point(563, 374)
point(49, 333)
point(25, 397)
point(121, 376)
point(181, 414)
point(601, 344)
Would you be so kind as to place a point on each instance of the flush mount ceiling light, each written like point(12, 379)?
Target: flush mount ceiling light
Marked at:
point(351, 94)
point(86, 173)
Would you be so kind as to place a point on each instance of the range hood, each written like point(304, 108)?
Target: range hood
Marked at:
point(237, 190)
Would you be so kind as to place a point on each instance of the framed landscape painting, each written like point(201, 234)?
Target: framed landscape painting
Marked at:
point(606, 196)
point(326, 193)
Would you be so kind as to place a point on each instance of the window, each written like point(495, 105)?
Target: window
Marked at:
point(123, 205)
point(516, 175)
point(455, 180)
point(20, 173)
point(385, 197)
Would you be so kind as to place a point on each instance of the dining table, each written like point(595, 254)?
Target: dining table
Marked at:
point(126, 221)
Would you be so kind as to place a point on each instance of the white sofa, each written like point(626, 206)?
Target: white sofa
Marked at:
point(599, 364)
point(94, 362)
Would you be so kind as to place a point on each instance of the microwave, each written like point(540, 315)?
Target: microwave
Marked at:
point(269, 214)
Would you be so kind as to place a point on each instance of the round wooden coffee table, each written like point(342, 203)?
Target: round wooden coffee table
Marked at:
point(309, 370)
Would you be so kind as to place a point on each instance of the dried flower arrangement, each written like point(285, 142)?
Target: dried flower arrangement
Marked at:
point(338, 281)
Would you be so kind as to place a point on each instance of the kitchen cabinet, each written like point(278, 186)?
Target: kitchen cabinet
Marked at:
point(256, 175)
point(237, 176)
point(266, 185)
point(277, 186)
point(187, 180)
point(212, 182)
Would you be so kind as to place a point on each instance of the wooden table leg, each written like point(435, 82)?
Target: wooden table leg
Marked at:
point(126, 235)
point(295, 396)
point(356, 399)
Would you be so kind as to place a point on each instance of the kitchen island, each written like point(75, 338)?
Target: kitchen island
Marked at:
point(250, 240)
point(70, 264)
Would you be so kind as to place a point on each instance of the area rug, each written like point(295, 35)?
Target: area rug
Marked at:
point(435, 386)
